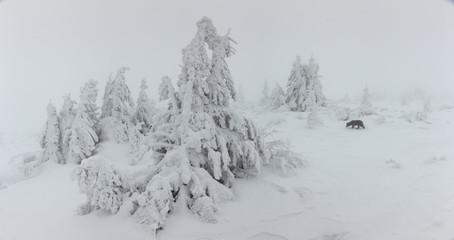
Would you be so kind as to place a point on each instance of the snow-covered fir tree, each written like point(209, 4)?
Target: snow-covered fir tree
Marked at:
point(200, 144)
point(296, 87)
point(304, 88)
point(365, 101)
point(117, 110)
point(66, 116)
point(265, 101)
point(105, 99)
point(145, 110)
point(313, 81)
point(82, 136)
point(366, 105)
point(277, 97)
point(428, 106)
point(106, 187)
point(313, 120)
point(50, 137)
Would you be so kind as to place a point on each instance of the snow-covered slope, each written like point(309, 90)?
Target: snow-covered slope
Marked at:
point(392, 180)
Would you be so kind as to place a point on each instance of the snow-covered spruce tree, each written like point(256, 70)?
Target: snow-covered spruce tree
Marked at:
point(117, 110)
point(313, 120)
point(277, 97)
point(304, 83)
point(296, 87)
point(144, 110)
point(366, 105)
point(106, 106)
point(200, 144)
point(313, 81)
point(50, 137)
point(66, 116)
point(82, 136)
point(105, 187)
point(265, 101)
point(427, 106)
point(282, 159)
point(365, 102)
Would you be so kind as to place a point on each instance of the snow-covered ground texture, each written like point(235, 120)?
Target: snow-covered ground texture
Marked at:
point(392, 180)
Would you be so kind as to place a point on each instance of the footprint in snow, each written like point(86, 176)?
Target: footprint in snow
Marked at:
point(303, 193)
point(393, 164)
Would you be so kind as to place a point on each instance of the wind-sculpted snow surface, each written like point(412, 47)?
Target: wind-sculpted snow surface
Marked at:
point(391, 181)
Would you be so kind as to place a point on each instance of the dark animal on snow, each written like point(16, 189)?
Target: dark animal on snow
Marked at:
point(354, 123)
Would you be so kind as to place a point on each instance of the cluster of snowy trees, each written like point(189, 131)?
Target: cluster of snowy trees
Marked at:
point(190, 153)
point(72, 135)
point(304, 90)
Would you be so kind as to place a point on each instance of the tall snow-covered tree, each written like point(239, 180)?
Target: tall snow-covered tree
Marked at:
point(265, 100)
point(200, 144)
point(277, 97)
point(313, 81)
point(296, 87)
point(144, 110)
point(304, 87)
point(365, 101)
point(117, 110)
point(50, 137)
point(366, 105)
point(428, 105)
point(82, 136)
point(106, 106)
point(66, 116)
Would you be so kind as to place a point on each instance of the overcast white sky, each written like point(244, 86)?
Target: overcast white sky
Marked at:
point(51, 47)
